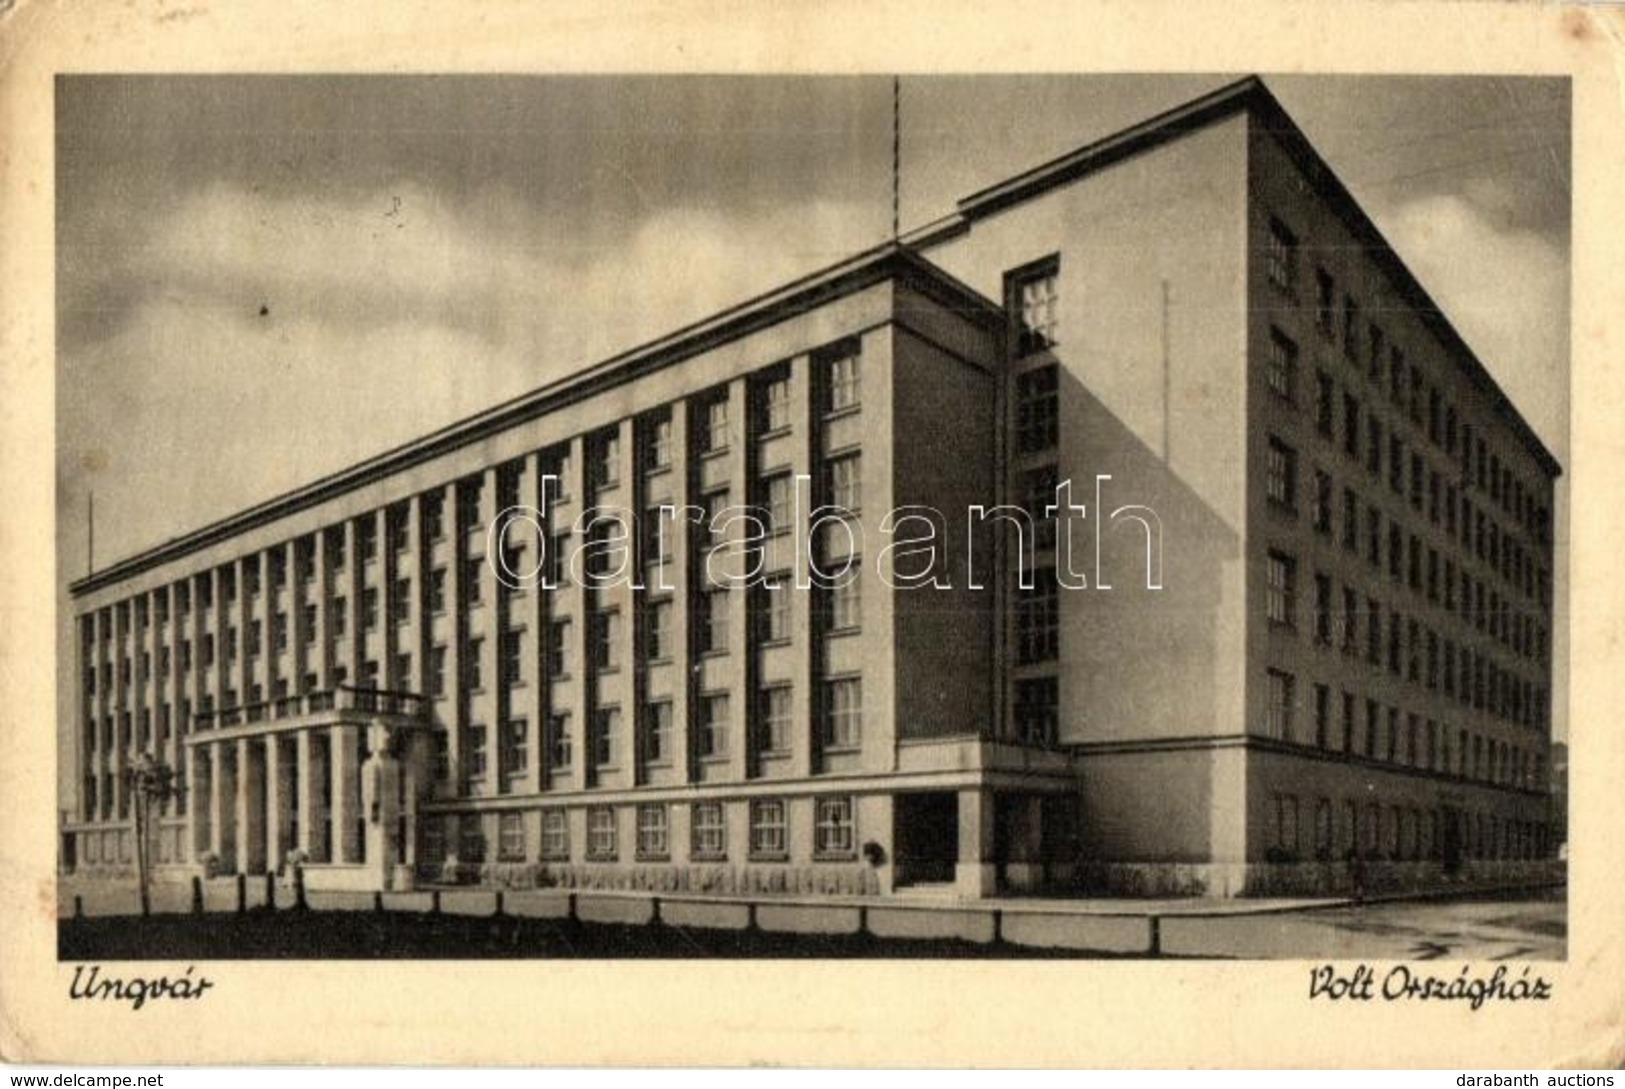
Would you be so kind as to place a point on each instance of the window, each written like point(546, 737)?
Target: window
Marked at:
point(1323, 715)
point(1373, 446)
point(468, 504)
point(366, 531)
point(1281, 366)
point(1323, 609)
point(712, 736)
point(777, 501)
point(340, 614)
point(558, 559)
point(767, 828)
point(657, 733)
point(843, 712)
point(1325, 302)
point(1377, 343)
point(403, 670)
point(845, 377)
point(845, 601)
point(775, 718)
point(1038, 488)
point(511, 837)
point(845, 482)
point(1038, 618)
point(1351, 520)
point(1351, 425)
point(1281, 475)
point(400, 600)
point(1280, 576)
point(1034, 298)
point(437, 671)
point(833, 832)
point(310, 617)
point(773, 400)
point(606, 726)
point(601, 832)
point(472, 579)
point(558, 741)
point(1321, 510)
point(434, 515)
point(1037, 409)
point(709, 832)
point(1037, 710)
point(1279, 707)
point(1281, 261)
point(654, 838)
point(606, 639)
point(473, 672)
point(1325, 396)
point(399, 535)
point(605, 459)
point(558, 649)
point(555, 834)
point(657, 442)
point(513, 658)
point(657, 633)
point(470, 839)
point(1351, 329)
point(476, 753)
point(1350, 620)
point(713, 425)
point(773, 608)
point(711, 629)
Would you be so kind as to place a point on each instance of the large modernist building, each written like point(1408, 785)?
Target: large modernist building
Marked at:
point(1294, 600)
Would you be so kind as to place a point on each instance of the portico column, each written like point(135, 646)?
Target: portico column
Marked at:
point(306, 793)
point(250, 805)
point(223, 800)
point(200, 811)
point(344, 750)
point(975, 873)
point(278, 807)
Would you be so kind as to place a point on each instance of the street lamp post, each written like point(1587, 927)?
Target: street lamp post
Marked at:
point(150, 779)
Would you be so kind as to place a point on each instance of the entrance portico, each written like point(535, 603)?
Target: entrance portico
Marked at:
point(331, 779)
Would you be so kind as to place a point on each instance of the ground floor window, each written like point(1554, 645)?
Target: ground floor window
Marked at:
point(710, 833)
point(767, 828)
point(433, 847)
point(471, 839)
point(601, 832)
point(654, 840)
point(834, 827)
point(511, 837)
point(555, 834)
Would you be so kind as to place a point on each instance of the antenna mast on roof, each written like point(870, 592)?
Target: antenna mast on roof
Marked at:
point(896, 152)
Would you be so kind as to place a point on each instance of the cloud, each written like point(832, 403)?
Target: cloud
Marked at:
point(388, 314)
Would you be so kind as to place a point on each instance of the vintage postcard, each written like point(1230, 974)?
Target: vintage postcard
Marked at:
point(834, 536)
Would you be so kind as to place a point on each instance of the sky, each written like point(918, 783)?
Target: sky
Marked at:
point(262, 280)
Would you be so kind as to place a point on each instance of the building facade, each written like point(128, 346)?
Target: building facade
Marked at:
point(1291, 603)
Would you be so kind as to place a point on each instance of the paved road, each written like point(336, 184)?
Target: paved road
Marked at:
point(1524, 929)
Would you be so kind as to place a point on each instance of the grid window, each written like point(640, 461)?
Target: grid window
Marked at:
point(1321, 511)
point(1038, 409)
point(712, 738)
point(1038, 618)
point(657, 733)
point(511, 837)
point(713, 426)
point(1281, 366)
point(1280, 586)
point(657, 631)
point(437, 671)
point(844, 712)
point(437, 590)
point(1323, 715)
point(555, 834)
point(845, 375)
point(477, 753)
point(1325, 302)
point(1281, 475)
point(1037, 710)
point(834, 832)
point(601, 832)
point(558, 649)
point(773, 609)
point(559, 750)
point(517, 746)
point(767, 828)
point(606, 726)
point(845, 601)
point(513, 658)
point(606, 639)
point(400, 601)
point(471, 839)
point(774, 399)
point(1038, 486)
point(1036, 307)
point(1279, 706)
point(1323, 609)
point(657, 446)
point(1325, 400)
point(708, 831)
point(472, 581)
point(369, 608)
point(712, 627)
point(1281, 262)
point(473, 670)
point(775, 718)
point(654, 832)
point(605, 460)
point(845, 482)
point(777, 500)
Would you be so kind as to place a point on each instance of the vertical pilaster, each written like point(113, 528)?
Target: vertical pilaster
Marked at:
point(740, 484)
point(576, 598)
point(251, 822)
point(344, 756)
point(805, 414)
point(975, 875)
